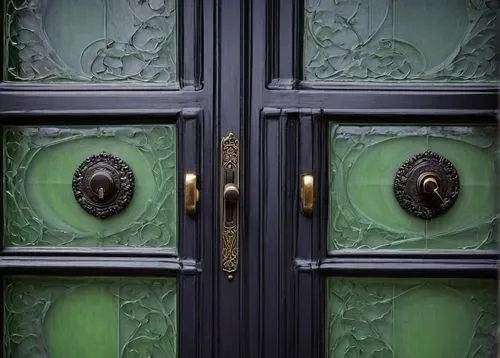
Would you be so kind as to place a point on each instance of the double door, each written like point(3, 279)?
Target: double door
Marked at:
point(265, 178)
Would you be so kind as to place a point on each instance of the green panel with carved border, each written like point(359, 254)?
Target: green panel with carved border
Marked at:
point(411, 318)
point(89, 317)
point(400, 40)
point(364, 212)
point(91, 40)
point(41, 209)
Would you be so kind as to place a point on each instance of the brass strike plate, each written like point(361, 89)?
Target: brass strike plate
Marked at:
point(230, 164)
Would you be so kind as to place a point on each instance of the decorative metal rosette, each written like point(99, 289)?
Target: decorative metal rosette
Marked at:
point(103, 185)
point(412, 199)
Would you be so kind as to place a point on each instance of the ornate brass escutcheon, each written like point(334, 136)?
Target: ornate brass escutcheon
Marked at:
point(427, 185)
point(230, 163)
point(103, 185)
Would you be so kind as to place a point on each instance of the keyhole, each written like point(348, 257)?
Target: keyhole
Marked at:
point(428, 183)
point(102, 184)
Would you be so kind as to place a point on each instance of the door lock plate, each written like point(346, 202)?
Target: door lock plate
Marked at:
point(427, 185)
point(230, 165)
point(103, 185)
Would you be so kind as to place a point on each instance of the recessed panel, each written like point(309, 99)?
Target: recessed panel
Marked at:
point(91, 40)
point(411, 318)
point(402, 40)
point(46, 205)
point(89, 317)
point(364, 212)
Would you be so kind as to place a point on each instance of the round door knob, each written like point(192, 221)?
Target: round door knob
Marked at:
point(430, 185)
point(427, 185)
point(103, 185)
point(231, 193)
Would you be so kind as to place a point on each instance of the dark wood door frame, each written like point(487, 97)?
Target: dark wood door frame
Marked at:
point(240, 70)
point(285, 252)
point(190, 105)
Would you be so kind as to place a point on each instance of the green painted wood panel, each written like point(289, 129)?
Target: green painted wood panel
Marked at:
point(41, 210)
point(91, 40)
point(411, 318)
point(89, 317)
point(363, 210)
point(400, 40)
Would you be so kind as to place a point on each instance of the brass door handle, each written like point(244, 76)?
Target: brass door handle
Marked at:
point(191, 193)
point(307, 193)
point(230, 162)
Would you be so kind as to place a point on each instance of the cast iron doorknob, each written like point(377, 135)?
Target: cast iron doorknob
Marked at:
point(103, 185)
point(427, 185)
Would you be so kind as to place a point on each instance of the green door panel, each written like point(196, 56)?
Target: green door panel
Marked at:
point(41, 209)
point(91, 40)
point(403, 40)
point(364, 212)
point(88, 314)
point(475, 212)
point(411, 318)
point(89, 317)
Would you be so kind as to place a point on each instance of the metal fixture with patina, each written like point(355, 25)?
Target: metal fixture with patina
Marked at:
point(427, 185)
point(191, 193)
point(230, 166)
point(103, 185)
point(307, 193)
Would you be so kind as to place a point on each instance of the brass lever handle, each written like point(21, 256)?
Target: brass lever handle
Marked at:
point(307, 193)
point(191, 193)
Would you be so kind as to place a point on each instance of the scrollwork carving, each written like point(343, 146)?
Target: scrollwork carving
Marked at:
point(364, 213)
point(357, 40)
point(230, 151)
point(230, 249)
point(379, 316)
point(28, 224)
point(146, 310)
point(138, 42)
